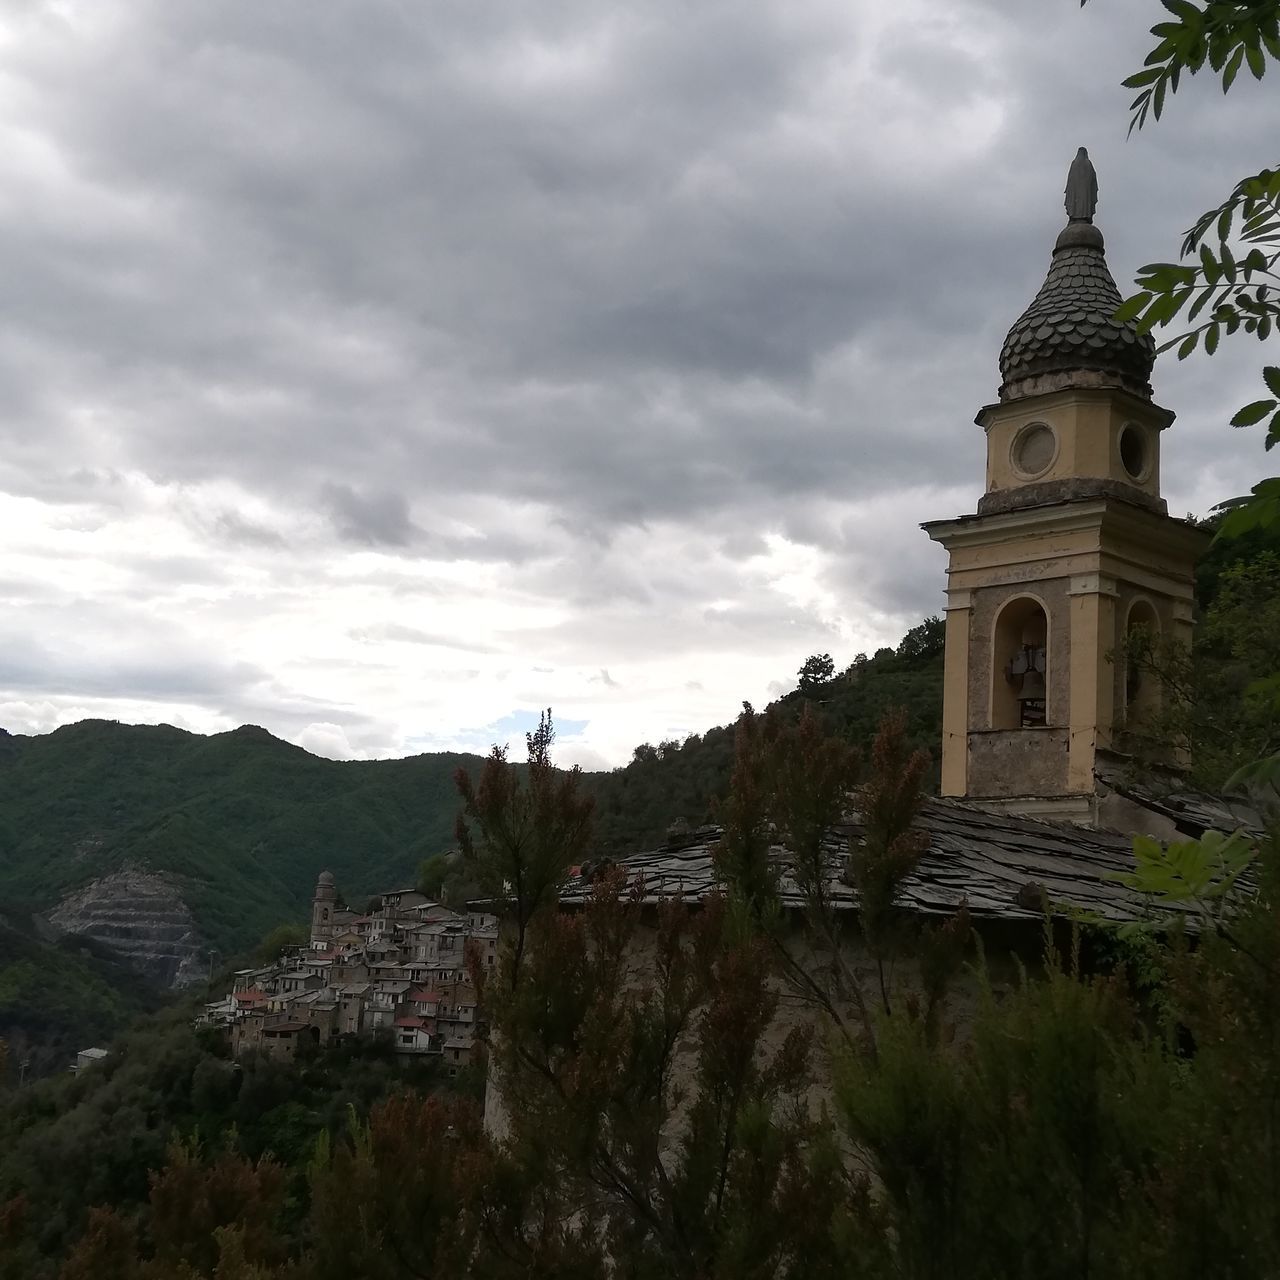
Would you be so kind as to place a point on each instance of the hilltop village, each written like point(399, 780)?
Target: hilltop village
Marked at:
point(401, 970)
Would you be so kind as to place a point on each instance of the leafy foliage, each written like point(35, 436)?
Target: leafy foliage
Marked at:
point(647, 1116)
point(817, 670)
point(1220, 700)
point(168, 1099)
point(58, 997)
point(528, 836)
point(1230, 253)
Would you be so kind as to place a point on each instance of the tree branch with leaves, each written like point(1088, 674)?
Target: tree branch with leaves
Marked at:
point(1230, 258)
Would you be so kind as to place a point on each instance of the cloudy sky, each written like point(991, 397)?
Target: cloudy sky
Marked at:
point(379, 372)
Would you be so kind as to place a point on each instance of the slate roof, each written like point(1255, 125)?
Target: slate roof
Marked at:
point(1191, 812)
point(994, 860)
point(1068, 325)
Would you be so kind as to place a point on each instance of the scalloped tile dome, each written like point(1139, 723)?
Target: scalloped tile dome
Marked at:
point(1067, 330)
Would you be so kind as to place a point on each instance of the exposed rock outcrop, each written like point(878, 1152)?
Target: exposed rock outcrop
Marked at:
point(141, 916)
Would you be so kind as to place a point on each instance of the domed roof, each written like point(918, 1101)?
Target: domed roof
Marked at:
point(1066, 337)
point(326, 877)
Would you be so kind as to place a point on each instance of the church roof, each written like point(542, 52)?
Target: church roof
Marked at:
point(1001, 864)
point(1066, 337)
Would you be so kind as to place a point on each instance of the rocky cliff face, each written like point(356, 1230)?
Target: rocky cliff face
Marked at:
point(141, 916)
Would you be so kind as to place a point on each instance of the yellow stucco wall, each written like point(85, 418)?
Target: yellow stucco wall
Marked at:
point(1087, 426)
point(1086, 561)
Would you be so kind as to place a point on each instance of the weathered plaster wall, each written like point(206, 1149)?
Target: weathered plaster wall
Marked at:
point(1018, 762)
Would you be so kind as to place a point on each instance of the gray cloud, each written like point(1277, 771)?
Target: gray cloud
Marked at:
point(397, 633)
point(561, 316)
point(380, 518)
point(230, 526)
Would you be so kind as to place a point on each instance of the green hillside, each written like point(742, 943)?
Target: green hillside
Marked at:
point(635, 805)
point(242, 820)
point(58, 996)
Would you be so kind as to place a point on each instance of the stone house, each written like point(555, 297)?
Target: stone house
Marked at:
point(413, 1035)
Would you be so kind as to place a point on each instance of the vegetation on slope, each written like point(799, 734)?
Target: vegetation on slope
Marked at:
point(659, 1068)
point(72, 1142)
point(60, 995)
point(635, 805)
point(241, 820)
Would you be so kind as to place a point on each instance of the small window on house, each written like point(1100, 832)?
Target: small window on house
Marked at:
point(1020, 658)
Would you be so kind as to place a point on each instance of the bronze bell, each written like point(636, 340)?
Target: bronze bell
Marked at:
point(1027, 670)
point(1032, 689)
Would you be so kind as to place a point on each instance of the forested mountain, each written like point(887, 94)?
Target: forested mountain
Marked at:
point(241, 821)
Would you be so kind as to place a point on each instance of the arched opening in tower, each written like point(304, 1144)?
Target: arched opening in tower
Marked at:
point(1141, 684)
point(1020, 649)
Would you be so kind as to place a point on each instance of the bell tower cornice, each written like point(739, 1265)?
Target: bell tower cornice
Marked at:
point(1137, 406)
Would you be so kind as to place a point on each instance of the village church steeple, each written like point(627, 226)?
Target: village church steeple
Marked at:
point(1070, 548)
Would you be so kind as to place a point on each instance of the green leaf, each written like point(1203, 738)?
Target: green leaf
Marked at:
point(1271, 376)
point(1131, 308)
point(1257, 62)
point(1209, 264)
point(1140, 78)
point(1198, 306)
point(1188, 345)
point(1260, 510)
point(1229, 74)
point(1211, 336)
point(1265, 771)
point(1253, 413)
point(1273, 433)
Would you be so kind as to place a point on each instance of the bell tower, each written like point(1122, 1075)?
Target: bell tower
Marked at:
point(1070, 548)
point(323, 906)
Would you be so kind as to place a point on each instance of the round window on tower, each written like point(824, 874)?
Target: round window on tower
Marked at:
point(1035, 449)
point(1134, 451)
